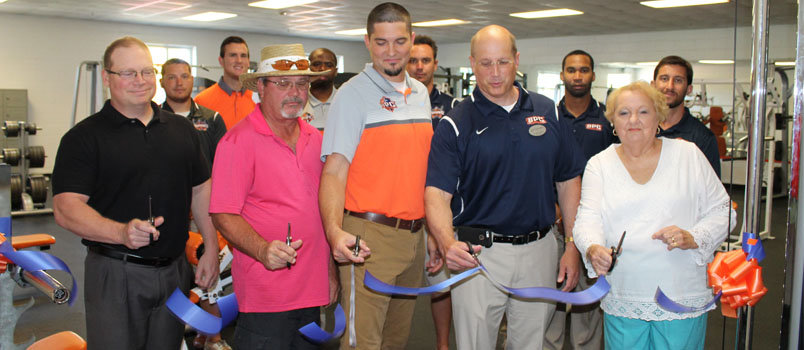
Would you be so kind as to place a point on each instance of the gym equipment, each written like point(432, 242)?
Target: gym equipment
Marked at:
point(29, 192)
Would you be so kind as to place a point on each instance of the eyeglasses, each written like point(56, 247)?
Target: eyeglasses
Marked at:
point(147, 74)
point(287, 64)
point(285, 85)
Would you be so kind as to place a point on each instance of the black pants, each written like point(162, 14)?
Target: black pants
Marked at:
point(125, 303)
point(274, 330)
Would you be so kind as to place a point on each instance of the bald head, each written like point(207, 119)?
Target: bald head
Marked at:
point(493, 33)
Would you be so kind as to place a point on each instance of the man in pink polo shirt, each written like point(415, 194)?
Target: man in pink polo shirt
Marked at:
point(265, 191)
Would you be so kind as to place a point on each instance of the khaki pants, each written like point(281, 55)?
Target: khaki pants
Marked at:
point(397, 257)
point(478, 306)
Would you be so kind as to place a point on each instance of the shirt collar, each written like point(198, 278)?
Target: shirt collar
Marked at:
point(434, 94)
point(117, 118)
point(684, 119)
point(193, 108)
point(314, 102)
point(227, 89)
point(487, 107)
point(590, 110)
point(383, 83)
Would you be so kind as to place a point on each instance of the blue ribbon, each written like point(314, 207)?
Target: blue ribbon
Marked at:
point(35, 262)
point(668, 304)
point(753, 251)
point(314, 333)
point(5, 226)
point(587, 296)
point(199, 319)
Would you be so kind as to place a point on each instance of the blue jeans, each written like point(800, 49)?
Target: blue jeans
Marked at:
point(631, 333)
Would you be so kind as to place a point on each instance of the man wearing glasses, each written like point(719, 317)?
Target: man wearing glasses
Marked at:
point(322, 88)
point(123, 181)
point(265, 203)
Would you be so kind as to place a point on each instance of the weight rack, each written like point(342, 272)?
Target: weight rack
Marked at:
point(28, 192)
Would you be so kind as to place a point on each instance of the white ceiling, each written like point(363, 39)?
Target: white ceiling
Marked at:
point(322, 19)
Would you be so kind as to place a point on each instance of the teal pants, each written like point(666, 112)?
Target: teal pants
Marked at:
point(630, 333)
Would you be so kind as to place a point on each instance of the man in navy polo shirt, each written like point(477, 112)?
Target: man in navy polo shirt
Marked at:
point(421, 66)
point(673, 77)
point(494, 162)
point(594, 134)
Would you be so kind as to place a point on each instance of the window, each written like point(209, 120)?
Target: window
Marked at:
point(616, 80)
point(161, 53)
point(549, 84)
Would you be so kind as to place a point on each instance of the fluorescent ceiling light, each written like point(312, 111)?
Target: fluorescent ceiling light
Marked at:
point(441, 22)
point(647, 63)
point(784, 63)
point(547, 13)
point(716, 61)
point(280, 4)
point(209, 16)
point(358, 31)
point(660, 4)
point(2, 1)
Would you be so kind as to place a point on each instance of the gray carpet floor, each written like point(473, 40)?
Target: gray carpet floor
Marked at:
point(45, 318)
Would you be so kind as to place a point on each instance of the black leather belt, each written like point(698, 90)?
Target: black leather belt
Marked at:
point(521, 239)
point(412, 225)
point(134, 259)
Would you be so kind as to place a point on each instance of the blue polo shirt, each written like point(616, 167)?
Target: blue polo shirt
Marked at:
point(591, 129)
point(692, 130)
point(440, 105)
point(501, 167)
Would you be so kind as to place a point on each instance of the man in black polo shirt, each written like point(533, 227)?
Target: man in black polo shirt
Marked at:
point(115, 170)
point(421, 66)
point(495, 162)
point(594, 134)
point(177, 80)
point(673, 77)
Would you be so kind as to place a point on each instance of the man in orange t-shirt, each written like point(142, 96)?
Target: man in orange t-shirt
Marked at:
point(228, 97)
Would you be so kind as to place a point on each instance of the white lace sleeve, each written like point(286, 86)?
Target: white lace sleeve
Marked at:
point(589, 220)
point(714, 208)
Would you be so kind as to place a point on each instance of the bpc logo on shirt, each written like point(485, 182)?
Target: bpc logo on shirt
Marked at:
point(307, 117)
point(595, 127)
point(536, 119)
point(387, 104)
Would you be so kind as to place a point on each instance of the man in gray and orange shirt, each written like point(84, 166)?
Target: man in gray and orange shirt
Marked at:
point(376, 144)
point(228, 97)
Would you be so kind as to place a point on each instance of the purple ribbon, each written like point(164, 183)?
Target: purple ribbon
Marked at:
point(200, 320)
point(752, 251)
point(670, 305)
point(587, 296)
point(35, 262)
point(314, 333)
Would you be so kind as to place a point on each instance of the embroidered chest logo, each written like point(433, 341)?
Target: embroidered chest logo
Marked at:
point(595, 127)
point(536, 119)
point(437, 112)
point(387, 104)
point(307, 117)
point(200, 125)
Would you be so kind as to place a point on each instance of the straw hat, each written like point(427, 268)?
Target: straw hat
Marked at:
point(269, 56)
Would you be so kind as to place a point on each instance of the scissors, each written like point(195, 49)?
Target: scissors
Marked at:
point(356, 249)
point(615, 252)
point(288, 240)
point(151, 219)
point(472, 252)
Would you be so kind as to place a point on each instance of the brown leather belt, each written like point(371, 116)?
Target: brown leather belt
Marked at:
point(412, 225)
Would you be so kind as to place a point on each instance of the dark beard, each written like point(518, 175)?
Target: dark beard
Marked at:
point(675, 104)
point(393, 73)
point(320, 84)
point(581, 93)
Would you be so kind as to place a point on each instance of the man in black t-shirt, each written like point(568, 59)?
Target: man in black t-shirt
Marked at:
point(123, 181)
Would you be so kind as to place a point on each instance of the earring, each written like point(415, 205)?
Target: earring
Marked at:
point(658, 130)
point(614, 131)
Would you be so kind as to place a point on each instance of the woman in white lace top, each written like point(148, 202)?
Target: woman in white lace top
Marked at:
point(664, 193)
